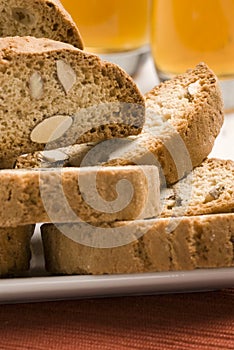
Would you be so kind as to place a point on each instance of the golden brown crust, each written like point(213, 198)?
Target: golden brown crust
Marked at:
point(184, 117)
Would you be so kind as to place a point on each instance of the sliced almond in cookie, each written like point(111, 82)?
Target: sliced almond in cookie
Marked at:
point(214, 193)
point(36, 85)
point(194, 88)
point(66, 75)
point(51, 129)
point(53, 156)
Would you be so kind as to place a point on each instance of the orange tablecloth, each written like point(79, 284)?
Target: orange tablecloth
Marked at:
point(182, 321)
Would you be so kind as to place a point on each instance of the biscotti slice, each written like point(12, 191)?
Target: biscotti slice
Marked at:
point(15, 251)
point(38, 18)
point(140, 246)
point(208, 189)
point(183, 117)
point(55, 95)
point(95, 194)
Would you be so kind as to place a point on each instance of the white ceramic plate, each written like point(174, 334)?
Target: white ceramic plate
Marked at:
point(70, 287)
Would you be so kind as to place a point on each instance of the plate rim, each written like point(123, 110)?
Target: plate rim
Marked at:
point(32, 289)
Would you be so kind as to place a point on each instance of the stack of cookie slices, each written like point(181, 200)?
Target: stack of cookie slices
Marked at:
point(120, 181)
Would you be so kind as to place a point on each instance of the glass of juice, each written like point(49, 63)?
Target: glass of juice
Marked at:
point(117, 30)
point(186, 32)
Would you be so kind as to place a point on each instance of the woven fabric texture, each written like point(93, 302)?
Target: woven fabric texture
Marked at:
point(201, 321)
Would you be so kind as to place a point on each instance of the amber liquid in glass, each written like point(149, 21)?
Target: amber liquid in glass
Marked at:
point(110, 25)
point(186, 32)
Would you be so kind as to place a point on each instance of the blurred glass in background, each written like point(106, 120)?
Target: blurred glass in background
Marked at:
point(117, 30)
point(186, 32)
